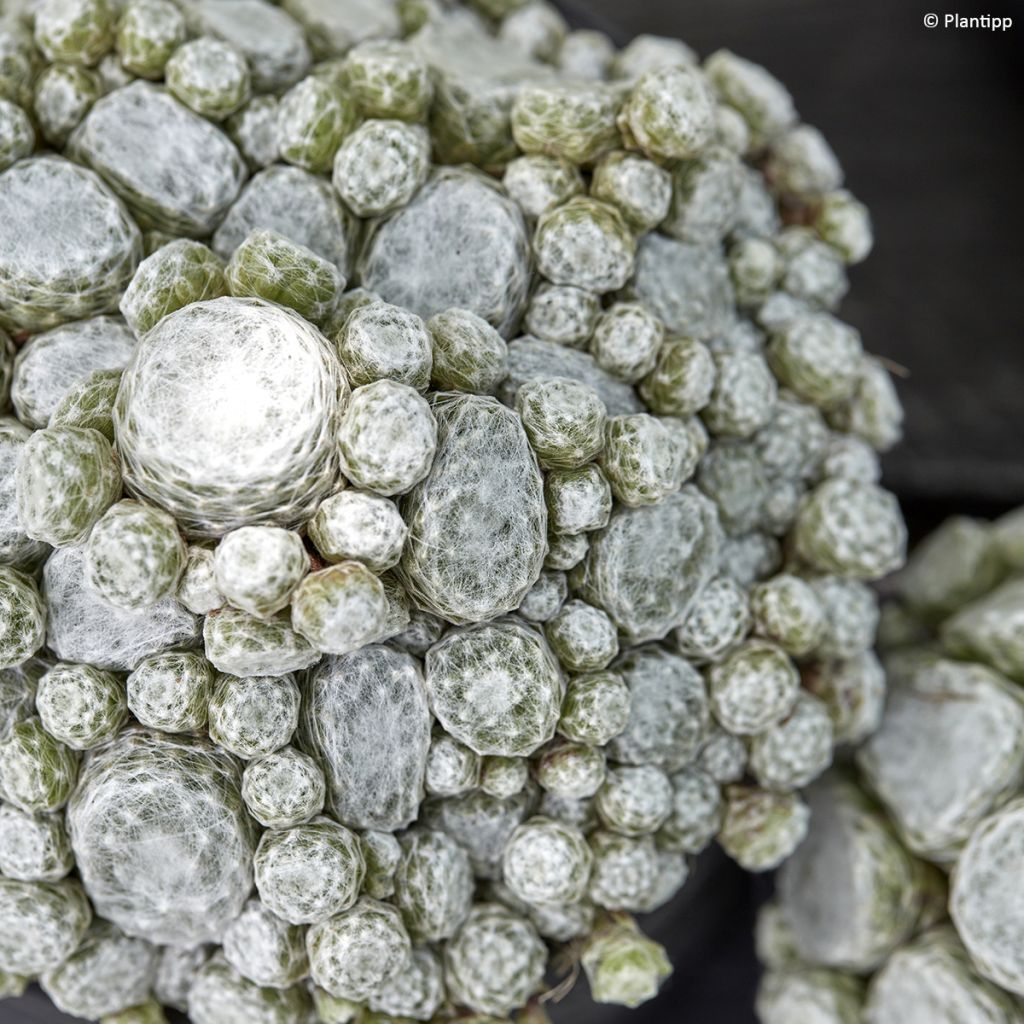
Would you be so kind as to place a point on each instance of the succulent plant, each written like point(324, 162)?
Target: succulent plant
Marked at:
point(437, 498)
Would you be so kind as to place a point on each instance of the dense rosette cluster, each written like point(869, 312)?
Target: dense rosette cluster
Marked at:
point(438, 499)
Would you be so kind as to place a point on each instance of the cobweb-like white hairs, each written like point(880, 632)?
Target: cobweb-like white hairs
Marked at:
point(481, 824)
point(41, 924)
point(384, 341)
point(352, 954)
point(226, 416)
point(669, 712)
point(365, 718)
point(433, 885)
point(380, 166)
point(82, 627)
point(478, 522)
point(69, 246)
point(495, 961)
point(253, 716)
point(242, 645)
point(220, 995)
point(686, 286)
point(16, 547)
point(547, 862)
point(309, 872)
point(264, 948)
point(273, 43)
point(161, 837)
point(533, 359)
point(33, 847)
point(416, 992)
point(496, 687)
point(386, 435)
point(294, 203)
point(177, 171)
point(460, 243)
point(50, 363)
point(174, 974)
point(269, 265)
point(107, 973)
point(647, 567)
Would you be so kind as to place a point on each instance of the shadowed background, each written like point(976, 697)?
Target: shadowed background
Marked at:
point(926, 123)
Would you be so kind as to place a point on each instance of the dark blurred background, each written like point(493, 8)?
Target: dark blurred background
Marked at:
point(927, 124)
